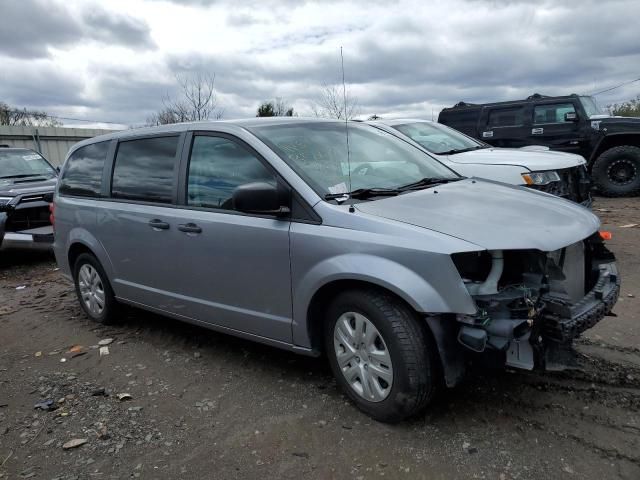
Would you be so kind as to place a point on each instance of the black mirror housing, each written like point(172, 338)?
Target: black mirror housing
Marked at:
point(261, 198)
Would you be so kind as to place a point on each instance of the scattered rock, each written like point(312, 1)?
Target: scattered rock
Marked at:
point(46, 405)
point(37, 354)
point(21, 287)
point(99, 392)
point(76, 442)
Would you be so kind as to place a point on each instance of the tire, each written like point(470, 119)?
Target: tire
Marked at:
point(403, 338)
point(616, 172)
point(89, 274)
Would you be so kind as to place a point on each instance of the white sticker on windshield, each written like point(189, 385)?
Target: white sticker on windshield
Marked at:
point(339, 188)
point(31, 157)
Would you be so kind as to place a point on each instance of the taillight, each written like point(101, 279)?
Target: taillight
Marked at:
point(52, 214)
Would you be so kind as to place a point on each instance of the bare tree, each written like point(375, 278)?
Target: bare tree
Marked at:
point(31, 118)
point(275, 108)
point(196, 101)
point(331, 103)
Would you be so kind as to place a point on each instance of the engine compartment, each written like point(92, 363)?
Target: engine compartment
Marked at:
point(528, 300)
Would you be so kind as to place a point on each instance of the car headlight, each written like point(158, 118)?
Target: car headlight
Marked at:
point(541, 178)
point(5, 200)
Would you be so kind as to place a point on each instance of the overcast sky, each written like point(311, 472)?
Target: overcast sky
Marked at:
point(114, 60)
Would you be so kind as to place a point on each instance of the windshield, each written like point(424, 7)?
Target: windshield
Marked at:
point(23, 163)
point(591, 107)
point(438, 138)
point(317, 151)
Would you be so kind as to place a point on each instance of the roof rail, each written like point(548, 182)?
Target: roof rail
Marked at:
point(464, 104)
point(536, 95)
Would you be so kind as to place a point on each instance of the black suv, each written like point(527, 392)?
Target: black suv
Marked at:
point(27, 182)
point(572, 123)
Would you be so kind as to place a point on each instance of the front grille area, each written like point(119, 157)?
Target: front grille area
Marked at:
point(27, 218)
point(574, 184)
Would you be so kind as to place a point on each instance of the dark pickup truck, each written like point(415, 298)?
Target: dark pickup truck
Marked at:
point(572, 123)
point(27, 182)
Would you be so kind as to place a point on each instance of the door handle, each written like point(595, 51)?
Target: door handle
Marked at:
point(157, 224)
point(189, 228)
point(537, 131)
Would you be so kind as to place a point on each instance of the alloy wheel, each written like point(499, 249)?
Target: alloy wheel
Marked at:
point(91, 289)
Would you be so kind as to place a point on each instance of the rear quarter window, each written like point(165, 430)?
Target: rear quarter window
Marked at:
point(82, 175)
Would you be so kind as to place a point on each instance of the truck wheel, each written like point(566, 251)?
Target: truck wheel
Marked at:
point(616, 172)
point(380, 354)
point(94, 291)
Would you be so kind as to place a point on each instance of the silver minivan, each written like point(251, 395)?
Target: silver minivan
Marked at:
point(326, 237)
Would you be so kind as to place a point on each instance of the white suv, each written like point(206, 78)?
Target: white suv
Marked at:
point(559, 173)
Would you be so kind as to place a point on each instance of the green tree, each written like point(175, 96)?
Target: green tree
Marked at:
point(274, 108)
point(630, 108)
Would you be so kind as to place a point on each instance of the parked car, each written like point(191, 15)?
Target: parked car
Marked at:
point(558, 173)
point(26, 182)
point(276, 231)
point(572, 123)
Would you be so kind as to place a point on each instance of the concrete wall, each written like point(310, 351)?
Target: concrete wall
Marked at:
point(54, 142)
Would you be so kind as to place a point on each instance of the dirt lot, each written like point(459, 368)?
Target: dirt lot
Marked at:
point(206, 405)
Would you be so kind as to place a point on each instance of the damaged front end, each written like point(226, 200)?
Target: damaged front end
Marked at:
point(530, 301)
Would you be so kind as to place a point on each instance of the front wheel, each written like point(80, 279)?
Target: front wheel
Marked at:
point(381, 354)
point(616, 172)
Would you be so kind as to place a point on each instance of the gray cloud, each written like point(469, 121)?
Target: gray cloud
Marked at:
point(31, 27)
point(396, 60)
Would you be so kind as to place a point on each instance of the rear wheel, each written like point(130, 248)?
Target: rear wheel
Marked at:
point(380, 354)
point(616, 172)
point(93, 290)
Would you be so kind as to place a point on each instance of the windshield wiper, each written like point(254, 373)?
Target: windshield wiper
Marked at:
point(363, 193)
point(461, 150)
point(428, 182)
point(24, 175)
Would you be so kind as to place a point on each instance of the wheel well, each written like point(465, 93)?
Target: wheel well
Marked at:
point(615, 141)
point(75, 251)
point(322, 298)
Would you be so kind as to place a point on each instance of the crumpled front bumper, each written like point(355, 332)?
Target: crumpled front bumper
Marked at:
point(563, 321)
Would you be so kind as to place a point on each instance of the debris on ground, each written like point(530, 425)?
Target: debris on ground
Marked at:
point(124, 396)
point(46, 405)
point(76, 442)
point(104, 351)
point(105, 341)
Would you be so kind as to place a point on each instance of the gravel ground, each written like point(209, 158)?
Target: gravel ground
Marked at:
point(206, 405)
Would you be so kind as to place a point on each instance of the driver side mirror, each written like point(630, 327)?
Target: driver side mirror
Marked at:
point(571, 117)
point(261, 198)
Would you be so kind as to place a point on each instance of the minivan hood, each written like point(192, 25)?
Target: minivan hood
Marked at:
point(10, 188)
point(529, 159)
point(492, 215)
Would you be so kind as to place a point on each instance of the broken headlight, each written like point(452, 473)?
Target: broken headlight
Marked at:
point(541, 178)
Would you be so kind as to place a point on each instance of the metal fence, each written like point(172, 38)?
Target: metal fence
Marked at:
point(52, 142)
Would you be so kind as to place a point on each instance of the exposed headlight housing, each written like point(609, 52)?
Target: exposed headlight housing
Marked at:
point(541, 178)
